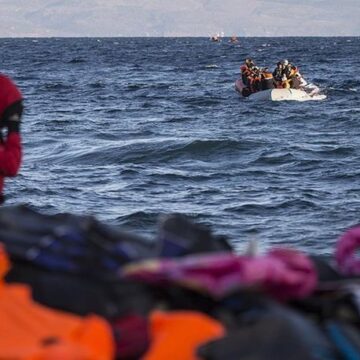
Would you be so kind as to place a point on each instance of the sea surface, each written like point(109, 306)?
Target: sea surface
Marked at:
point(128, 129)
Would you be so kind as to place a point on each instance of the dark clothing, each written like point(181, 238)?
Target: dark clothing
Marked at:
point(295, 83)
point(277, 74)
point(244, 79)
point(16, 110)
point(267, 84)
point(287, 71)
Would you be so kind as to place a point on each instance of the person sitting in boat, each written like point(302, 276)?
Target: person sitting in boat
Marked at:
point(255, 80)
point(295, 79)
point(247, 70)
point(289, 76)
point(278, 74)
point(267, 79)
point(287, 67)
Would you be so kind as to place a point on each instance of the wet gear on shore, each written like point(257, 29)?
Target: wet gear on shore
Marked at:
point(216, 303)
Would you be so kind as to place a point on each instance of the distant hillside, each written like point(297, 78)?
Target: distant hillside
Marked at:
point(173, 18)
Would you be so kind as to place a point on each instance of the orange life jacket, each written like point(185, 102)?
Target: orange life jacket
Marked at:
point(30, 331)
point(176, 335)
point(267, 75)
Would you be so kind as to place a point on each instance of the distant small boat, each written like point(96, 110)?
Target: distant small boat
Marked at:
point(215, 38)
point(233, 40)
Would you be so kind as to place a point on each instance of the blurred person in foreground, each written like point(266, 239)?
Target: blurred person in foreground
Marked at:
point(11, 108)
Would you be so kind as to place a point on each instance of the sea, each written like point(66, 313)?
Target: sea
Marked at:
point(132, 129)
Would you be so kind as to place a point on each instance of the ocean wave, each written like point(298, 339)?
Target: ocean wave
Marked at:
point(100, 84)
point(200, 101)
point(155, 150)
point(295, 205)
point(274, 159)
point(77, 60)
point(138, 219)
point(56, 86)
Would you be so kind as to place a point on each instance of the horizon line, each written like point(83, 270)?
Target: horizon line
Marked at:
point(171, 37)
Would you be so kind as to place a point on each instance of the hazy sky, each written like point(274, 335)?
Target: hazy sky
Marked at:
point(179, 17)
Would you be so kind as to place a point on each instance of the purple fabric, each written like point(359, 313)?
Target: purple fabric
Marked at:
point(345, 254)
point(283, 273)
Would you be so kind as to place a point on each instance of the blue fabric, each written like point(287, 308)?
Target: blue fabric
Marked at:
point(344, 345)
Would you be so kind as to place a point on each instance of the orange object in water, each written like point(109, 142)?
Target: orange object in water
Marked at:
point(29, 331)
point(177, 335)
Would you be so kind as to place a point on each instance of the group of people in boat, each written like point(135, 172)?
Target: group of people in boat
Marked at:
point(285, 75)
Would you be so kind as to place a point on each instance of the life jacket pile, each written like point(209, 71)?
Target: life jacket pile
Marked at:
point(215, 304)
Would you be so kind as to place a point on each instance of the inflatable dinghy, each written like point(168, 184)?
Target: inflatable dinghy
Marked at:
point(282, 94)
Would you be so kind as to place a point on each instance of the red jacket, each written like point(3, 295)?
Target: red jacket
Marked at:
point(10, 147)
point(10, 157)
